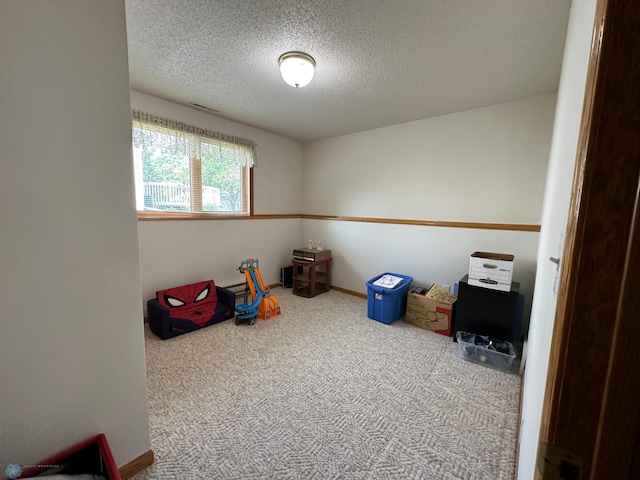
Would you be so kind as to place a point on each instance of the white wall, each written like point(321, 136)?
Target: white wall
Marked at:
point(173, 253)
point(429, 254)
point(554, 221)
point(484, 165)
point(71, 348)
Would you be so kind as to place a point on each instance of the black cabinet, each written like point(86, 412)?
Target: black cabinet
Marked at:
point(489, 312)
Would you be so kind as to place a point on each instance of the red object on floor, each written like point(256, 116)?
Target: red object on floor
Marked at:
point(92, 456)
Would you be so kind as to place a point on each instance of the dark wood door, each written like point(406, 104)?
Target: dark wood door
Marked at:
point(592, 400)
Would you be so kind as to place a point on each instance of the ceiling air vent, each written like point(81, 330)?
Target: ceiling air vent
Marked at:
point(197, 105)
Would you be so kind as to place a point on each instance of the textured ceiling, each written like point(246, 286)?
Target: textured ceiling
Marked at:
point(379, 62)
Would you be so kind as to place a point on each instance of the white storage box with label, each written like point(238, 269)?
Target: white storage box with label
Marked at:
point(491, 270)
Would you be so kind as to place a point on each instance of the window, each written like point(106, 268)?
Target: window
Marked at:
point(184, 169)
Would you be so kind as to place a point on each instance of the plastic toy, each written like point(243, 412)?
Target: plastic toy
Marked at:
point(263, 305)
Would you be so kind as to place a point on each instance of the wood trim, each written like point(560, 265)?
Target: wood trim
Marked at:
point(519, 227)
point(136, 465)
point(569, 266)
point(519, 428)
point(145, 216)
point(350, 292)
point(196, 183)
point(616, 452)
point(251, 210)
point(429, 223)
point(619, 429)
point(592, 398)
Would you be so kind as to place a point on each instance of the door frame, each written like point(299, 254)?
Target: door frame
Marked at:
point(592, 400)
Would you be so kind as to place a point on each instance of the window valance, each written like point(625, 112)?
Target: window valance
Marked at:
point(151, 132)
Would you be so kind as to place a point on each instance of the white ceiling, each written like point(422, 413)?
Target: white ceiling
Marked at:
point(379, 62)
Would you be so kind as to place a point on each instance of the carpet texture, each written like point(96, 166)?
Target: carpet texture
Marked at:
point(323, 392)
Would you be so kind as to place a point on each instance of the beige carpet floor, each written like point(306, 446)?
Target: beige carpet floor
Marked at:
point(323, 392)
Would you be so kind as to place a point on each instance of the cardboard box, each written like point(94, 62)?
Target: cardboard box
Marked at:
point(491, 270)
point(432, 311)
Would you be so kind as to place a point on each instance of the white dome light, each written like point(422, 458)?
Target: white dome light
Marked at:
point(297, 68)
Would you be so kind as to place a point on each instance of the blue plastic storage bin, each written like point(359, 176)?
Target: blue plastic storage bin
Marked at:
point(387, 305)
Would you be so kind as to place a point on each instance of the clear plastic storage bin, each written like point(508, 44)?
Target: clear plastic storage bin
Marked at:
point(484, 350)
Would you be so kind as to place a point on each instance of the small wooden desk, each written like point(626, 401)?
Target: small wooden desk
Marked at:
point(311, 278)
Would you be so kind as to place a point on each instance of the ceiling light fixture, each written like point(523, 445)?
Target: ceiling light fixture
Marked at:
point(297, 68)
